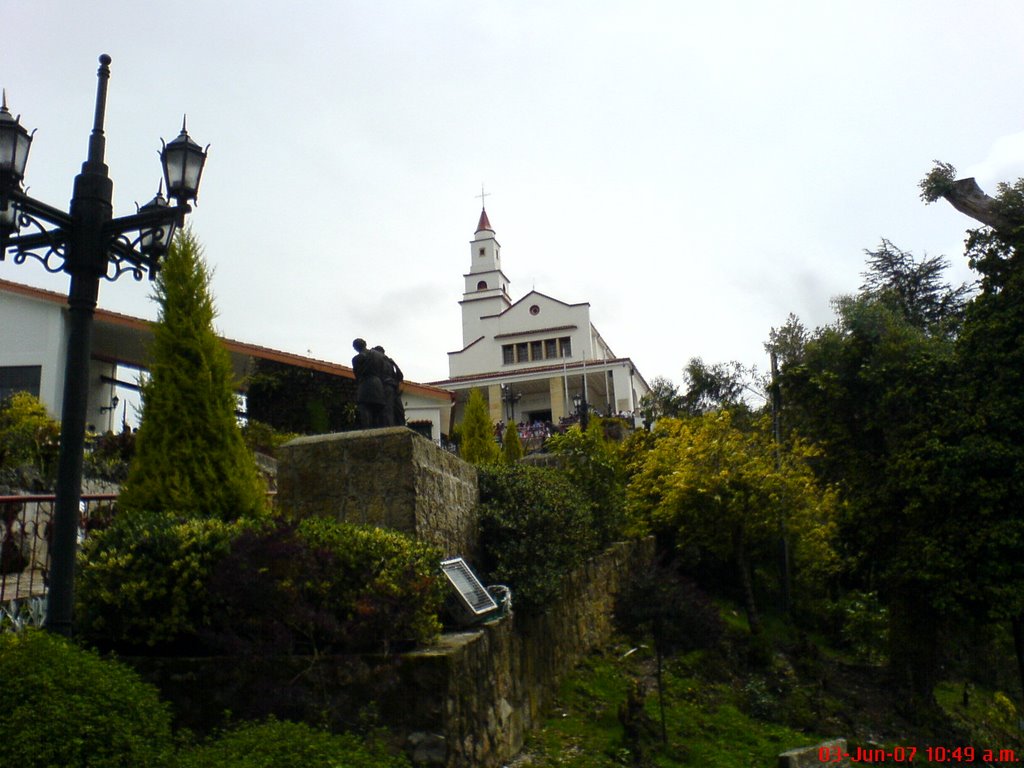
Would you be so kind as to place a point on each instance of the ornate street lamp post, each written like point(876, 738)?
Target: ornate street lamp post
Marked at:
point(582, 408)
point(511, 398)
point(88, 244)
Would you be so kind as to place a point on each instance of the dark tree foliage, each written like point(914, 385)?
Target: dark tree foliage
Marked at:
point(990, 435)
point(915, 289)
point(293, 399)
point(874, 392)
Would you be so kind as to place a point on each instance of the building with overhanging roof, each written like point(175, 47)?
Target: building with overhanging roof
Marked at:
point(532, 357)
point(33, 345)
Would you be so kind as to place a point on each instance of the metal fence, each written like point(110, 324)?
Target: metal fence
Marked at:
point(26, 526)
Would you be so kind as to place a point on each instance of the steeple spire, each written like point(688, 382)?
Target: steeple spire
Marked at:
point(484, 224)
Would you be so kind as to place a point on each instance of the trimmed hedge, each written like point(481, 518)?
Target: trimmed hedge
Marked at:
point(63, 706)
point(142, 581)
point(154, 584)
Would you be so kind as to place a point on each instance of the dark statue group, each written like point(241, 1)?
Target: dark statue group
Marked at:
point(378, 379)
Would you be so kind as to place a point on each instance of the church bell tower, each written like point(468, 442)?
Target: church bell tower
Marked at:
point(486, 290)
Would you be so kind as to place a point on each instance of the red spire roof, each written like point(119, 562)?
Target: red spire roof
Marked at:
point(484, 223)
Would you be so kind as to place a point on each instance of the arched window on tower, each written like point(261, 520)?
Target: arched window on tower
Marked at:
point(482, 285)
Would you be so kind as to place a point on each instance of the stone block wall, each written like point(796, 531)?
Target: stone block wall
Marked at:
point(391, 477)
point(486, 689)
point(471, 698)
point(468, 700)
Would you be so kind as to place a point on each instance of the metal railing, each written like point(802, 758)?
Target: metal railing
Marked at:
point(26, 528)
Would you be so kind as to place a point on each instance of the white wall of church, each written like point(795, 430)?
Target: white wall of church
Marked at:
point(534, 318)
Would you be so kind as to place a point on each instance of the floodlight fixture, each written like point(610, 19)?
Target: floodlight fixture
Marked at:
point(473, 602)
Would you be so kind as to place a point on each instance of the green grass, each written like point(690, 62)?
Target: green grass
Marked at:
point(706, 722)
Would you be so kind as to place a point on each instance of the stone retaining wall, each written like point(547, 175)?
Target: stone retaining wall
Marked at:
point(488, 688)
point(468, 700)
point(392, 477)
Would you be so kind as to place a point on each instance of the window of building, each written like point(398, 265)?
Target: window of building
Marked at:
point(20, 378)
point(565, 343)
point(534, 310)
point(482, 285)
point(508, 354)
point(522, 352)
point(483, 251)
point(536, 352)
point(551, 348)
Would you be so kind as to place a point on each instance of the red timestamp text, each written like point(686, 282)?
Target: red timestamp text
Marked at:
point(966, 755)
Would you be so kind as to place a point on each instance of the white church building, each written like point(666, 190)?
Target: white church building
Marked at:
point(534, 358)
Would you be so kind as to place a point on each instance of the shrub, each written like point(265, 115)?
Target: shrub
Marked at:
point(66, 707)
point(27, 433)
point(110, 455)
point(265, 595)
point(142, 581)
point(670, 608)
point(534, 528)
point(382, 586)
point(153, 582)
point(263, 438)
point(288, 745)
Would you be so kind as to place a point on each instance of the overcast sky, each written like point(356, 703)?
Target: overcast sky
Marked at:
point(696, 171)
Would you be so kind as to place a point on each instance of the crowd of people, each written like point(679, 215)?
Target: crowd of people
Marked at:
point(529, 432)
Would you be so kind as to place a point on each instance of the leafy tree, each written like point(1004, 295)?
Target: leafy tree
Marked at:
point(714, 387)
point(477, 444)
point(27, 433)
point(511, 445)
point(594, 464)
point(662, 401)
point(190, 455)
point(708, 486)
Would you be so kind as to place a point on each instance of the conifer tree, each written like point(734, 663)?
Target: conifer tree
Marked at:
point(190, 456)
point(511, 446)
point(478, 444)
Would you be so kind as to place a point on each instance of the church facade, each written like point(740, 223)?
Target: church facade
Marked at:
point(535, 359)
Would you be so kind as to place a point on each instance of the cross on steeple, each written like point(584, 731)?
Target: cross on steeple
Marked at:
point(482, 195)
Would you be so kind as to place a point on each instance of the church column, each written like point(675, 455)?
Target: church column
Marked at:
point(622, 384)
point(494, 403)
point(556, 388)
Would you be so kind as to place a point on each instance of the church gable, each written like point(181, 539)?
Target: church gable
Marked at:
point(537, 309)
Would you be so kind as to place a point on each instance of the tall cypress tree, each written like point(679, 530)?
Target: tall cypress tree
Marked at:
point(190, 456)
point(478, 445)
